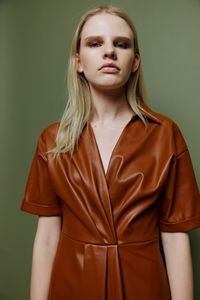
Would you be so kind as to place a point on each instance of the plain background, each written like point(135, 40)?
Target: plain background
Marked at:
point(35, 37)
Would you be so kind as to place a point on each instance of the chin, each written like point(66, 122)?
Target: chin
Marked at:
point(109, 89)
point(108, 86)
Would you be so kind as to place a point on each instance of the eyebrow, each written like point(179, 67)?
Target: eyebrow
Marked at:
point(124, 38)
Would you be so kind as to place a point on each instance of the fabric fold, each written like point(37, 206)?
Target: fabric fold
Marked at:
point(101, 273)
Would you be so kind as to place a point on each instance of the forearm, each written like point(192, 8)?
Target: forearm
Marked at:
point(44, 250)
point(176, 247)
point(43, 257)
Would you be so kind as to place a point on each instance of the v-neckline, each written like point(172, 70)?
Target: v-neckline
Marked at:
point(118, 140)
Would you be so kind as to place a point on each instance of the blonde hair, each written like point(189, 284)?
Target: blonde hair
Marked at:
point(79, 105)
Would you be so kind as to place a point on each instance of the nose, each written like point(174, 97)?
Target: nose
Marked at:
point(109, 51)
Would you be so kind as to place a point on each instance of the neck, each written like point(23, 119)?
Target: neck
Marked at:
point(110, 105)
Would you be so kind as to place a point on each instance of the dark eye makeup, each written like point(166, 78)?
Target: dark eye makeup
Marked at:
point(122, 43)
point(94, 44)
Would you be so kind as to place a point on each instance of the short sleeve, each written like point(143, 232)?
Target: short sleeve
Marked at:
point(180, 201)
point(40, 197)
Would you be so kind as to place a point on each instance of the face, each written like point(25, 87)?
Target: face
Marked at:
point(106, 55)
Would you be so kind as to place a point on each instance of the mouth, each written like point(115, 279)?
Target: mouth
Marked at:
point(110, 68)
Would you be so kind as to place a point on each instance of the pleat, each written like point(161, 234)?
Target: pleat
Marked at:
point(94, 272)
point(114, 278)
point(101, 274)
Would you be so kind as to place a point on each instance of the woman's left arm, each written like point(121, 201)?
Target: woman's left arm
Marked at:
point(177, 251)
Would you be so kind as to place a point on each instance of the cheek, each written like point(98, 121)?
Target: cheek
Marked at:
point(87, 60)
point(129, 60)
point(87, 66)
point(128, 65)
point(84, 60)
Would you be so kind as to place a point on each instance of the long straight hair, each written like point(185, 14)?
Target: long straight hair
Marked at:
point(78, 109)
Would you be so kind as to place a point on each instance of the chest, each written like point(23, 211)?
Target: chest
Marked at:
point(106, 140)
point(132, 154)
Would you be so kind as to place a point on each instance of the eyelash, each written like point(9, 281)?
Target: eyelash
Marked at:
point(122, 45)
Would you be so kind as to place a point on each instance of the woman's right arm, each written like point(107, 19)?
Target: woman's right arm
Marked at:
point(44, 250)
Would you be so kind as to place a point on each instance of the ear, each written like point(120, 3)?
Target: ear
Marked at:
point(78, 63)
point(136, 63)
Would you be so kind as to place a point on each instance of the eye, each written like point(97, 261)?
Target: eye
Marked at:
point(122, 45)
point(94, 44)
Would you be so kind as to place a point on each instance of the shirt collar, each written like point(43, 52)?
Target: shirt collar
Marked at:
point(149, 114)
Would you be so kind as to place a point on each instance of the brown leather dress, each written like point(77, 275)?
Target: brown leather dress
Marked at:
point(109, 248)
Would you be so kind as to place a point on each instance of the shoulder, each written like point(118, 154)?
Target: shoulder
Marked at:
point(47, 138)
point(167, 127)
point(161, 119)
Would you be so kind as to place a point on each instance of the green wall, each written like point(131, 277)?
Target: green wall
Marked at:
point(34, 42)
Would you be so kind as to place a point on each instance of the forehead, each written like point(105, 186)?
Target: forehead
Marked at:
point(105, 23)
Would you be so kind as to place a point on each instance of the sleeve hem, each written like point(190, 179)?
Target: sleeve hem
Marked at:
point(184, 226)
point(42, 210)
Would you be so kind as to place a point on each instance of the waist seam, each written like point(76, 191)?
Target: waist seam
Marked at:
point(117, 243)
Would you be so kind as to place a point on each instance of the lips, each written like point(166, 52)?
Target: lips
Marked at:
point(109, 65)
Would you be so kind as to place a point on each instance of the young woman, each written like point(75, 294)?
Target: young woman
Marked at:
point(112, 182)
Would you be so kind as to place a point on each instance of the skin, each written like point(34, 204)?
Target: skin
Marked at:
point(44, 250)
point(100, 44)
point(105, 39)
point(178, 258)
point(110, 114)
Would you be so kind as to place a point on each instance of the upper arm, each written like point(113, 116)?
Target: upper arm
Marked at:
point(40, 196)
point(48, 229)
point(180, 204)
point(174, 238)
